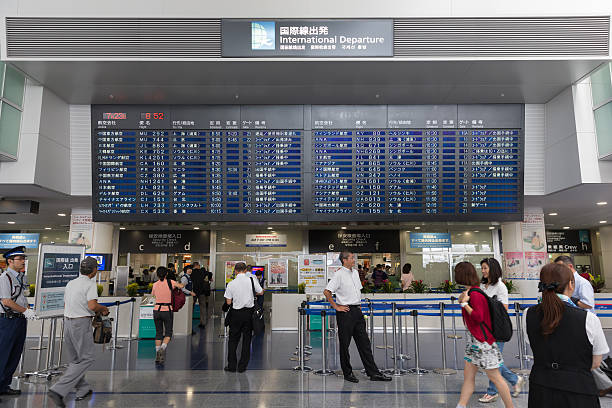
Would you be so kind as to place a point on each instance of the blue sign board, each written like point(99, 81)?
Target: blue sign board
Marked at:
point(430, 240)
point(8, 241)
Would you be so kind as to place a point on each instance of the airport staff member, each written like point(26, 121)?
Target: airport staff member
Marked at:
point(14, 310)
point(347, 286)
point(240, 297)
point(80, 305)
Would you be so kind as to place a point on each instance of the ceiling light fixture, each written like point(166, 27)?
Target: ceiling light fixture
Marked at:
point(343, 228)
point(417, 228)
point(48, 228)
point(61, 214)
point(603, 222)
point(11, 222)
point(602, 203)
point(491, 228)
point(269, 228)
point(196, 228)
point(566, 227)
point(553, 214)
point(121, 228)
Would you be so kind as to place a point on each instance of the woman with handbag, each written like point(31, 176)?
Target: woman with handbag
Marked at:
point(240, 298)
point(162, 313)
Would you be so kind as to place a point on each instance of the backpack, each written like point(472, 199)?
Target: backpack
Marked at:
point(500, 320)
point(177, 296)
point(206, 284)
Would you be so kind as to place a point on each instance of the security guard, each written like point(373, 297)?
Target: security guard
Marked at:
point(14, 311)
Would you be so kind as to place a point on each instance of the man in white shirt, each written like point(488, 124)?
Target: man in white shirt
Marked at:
point(239, 295)
point(80, 305)
point(346, 285)
point(584, 295)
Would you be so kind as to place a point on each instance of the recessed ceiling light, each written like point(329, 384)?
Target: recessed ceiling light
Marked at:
point(269, 228)
point(417, 228)
point(476, 231)
point(11, 222)
point(566, 227)
point(48, 228)
point(61, 214)
point(343, 227)
point(121, 228)
point(196, 228)
point(491, 228)
point(603, 222)
point(602, 203)
point(553, 214)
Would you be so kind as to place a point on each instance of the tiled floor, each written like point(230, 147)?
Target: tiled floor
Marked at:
point(193, 376)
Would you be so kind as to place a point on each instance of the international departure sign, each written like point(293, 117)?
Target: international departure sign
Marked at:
point(307, 38)
point(57, 265)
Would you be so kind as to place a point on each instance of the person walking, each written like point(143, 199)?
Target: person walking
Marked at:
point(262, 282)
point(481, 351)
point(492, 285)
point(240, 297)
point(80, 305)
point(201, 279)
point(162, 312)
point(351, 324)
point(567, 343)
point(14, 310)
point(407, 277)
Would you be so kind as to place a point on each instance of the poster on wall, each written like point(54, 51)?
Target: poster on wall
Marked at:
point(278, 273)
point(311, 271)
point(333, 264)
point(534, 235)
point(229, 271)
point(57, 265)
point(81, 230)
point(534, 261)
point(568, 241)
point(514, 265)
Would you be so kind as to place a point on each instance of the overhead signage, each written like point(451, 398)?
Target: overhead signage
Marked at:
point(311, 272)
point(307, 38)
point(430, 240)
point(8, 241)
point(57, 265)
point(570, 241)
point(266, 240)
point(356, 241)
point(168, 241)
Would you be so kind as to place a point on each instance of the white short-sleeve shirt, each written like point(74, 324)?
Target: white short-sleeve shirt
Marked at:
point(346, 285)
point(240, 291)
point(78, 293)
point(584, 292)
point(499, 289)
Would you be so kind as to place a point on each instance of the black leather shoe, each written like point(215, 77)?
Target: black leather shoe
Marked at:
point(10, 392)
point(56, 398)
point(351, 378)
point(241, 369)
point(229, 369)
point(380, 377)
point(87, 395)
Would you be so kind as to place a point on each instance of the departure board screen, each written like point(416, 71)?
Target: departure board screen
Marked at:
point(300, 163)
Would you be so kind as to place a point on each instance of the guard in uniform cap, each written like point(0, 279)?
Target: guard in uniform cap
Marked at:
point(14, 310)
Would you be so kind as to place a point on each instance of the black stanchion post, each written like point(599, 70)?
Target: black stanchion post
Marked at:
point(417, 370)
point(395, 371)
point(116, 328)
point(302, 356)
point(454, 336)
point(324, 371)
point(130, 337)
point(519, 336)
point(443, 370)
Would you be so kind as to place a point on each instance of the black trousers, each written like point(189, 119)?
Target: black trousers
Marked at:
point(164, 321)
point(240, 325)
point(352, 324)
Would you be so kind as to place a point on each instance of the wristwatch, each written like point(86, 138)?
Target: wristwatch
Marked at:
point(464, 304)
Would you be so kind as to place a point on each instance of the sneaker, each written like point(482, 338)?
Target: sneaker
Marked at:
point(489, 398)
point(518, 387)
point(158, 356)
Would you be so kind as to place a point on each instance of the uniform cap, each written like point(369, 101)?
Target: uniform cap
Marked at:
point(17, 251)
point(89, 264)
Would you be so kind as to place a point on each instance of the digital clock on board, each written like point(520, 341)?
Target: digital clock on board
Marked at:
point(151, 115)
point(114, 115)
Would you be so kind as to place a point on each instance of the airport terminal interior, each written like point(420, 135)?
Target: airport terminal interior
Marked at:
point(198, 137)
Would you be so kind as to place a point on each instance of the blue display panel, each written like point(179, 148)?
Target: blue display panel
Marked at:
point(239, 163)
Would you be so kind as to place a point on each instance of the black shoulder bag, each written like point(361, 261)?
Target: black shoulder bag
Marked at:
point(258, 316)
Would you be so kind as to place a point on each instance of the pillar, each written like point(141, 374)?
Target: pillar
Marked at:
point(605, 240)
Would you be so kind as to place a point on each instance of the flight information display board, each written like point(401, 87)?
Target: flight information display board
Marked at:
point(326, 163)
